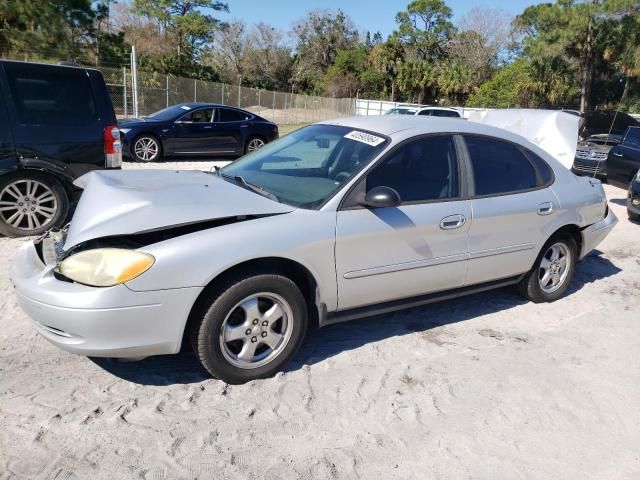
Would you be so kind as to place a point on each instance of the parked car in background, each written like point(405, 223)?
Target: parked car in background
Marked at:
point(600, 131)
point(623, 160)
point(439, 112)
point(338, 220)
point(195, 129)
point(56, 124)
point(401, 111)
point(633, 198)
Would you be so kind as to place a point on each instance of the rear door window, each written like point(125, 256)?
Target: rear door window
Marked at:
point(499, 167)
point(46, 96)
point(229, 115)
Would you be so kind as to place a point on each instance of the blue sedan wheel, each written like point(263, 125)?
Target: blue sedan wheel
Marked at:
point(146, 149)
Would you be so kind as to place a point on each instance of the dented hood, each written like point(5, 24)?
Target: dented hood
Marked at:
point(122, 202)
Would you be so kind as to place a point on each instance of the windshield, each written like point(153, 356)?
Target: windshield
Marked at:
point(306, 167)
point(169, 113)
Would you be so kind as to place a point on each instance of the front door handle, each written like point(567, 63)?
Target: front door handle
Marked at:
point(545, 208)
point(616, 154)
point(453, 221)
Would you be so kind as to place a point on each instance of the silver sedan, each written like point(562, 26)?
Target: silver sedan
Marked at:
point(339, 220)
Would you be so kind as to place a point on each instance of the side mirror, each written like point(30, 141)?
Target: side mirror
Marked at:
point(381, 197)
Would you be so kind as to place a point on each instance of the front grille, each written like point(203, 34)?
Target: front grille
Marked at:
point(588, 154)
point(590, 167)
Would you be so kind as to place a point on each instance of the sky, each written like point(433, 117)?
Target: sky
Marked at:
point(370, 15)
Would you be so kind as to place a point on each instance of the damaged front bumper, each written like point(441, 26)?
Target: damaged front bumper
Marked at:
point(102, 322)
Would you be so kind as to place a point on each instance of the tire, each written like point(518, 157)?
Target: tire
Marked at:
point(31, 203)
point(254, 143)
point(236, 338)
point(535, 287)
point(633, 216)
point(146, 148)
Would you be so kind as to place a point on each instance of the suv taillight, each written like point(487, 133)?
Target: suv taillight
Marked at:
point(112, 147)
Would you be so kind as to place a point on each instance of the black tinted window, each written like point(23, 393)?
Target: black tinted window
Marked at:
point(633, 137)
point(425, 169)
point(499, 167)
point(425, 113)
point(199, 116)
point(228, 115)
point(46, 95)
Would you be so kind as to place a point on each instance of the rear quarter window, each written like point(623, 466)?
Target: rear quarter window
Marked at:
point(51, 96)
point(500, 167)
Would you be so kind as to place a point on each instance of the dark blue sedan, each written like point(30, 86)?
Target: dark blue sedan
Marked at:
point(195, 129)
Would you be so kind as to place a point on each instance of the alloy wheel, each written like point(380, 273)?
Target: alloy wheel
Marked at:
point(146, 149)
point(554, 267)
point(27, 204)
point(256, 330)
point(255, 144)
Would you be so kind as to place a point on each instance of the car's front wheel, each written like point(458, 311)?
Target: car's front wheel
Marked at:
point(250, 327)
point(31, 203)
point(552, 272)
point(147, 148)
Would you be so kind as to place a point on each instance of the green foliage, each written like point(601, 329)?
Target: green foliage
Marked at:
point(424, 28)
point(563, 52)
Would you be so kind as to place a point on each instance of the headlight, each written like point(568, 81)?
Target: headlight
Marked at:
point(124, 130)
point(105, 267)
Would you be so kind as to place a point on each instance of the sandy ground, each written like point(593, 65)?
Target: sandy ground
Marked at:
point(485, 387)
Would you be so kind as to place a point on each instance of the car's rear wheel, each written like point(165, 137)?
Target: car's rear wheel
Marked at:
point(552, 272)
point(249, 327)
point(147, 148)
point(31, 203)
point(253, 144)
point(633, 216)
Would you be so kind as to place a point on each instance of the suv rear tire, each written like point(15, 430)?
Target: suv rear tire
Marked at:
point(31, 203)
point(249, 327)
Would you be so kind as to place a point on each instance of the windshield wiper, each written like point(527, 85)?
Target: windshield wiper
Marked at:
point(251, 186)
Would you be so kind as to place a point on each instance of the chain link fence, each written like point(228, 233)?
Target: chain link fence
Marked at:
point(157, 91)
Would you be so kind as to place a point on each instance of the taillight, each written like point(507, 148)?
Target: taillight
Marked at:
point(112, 147)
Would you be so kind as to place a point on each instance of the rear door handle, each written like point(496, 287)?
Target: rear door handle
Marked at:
point(545, 208)
point(452, 221)
point(616, 154)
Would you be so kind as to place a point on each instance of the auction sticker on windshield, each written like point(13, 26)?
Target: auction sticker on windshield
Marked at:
point(364, 138)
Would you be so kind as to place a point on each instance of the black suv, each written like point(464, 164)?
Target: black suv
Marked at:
point(600, 131)
point(56, 124)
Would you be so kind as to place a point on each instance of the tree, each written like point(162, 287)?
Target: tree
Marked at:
point(319, 37)
point(481, 41)
point(51, 29)
point(231, 45)
point(268, 62)
point(386, 59)
point(511, 86)
point(414, 78)
point(424, 28)
point(577, 33)
point(187, 27)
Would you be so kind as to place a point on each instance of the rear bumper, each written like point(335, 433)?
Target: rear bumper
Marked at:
point(594, 234)
point(101, 322)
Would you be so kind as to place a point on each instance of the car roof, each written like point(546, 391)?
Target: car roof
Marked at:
point(406, 126)
point(439, 108)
